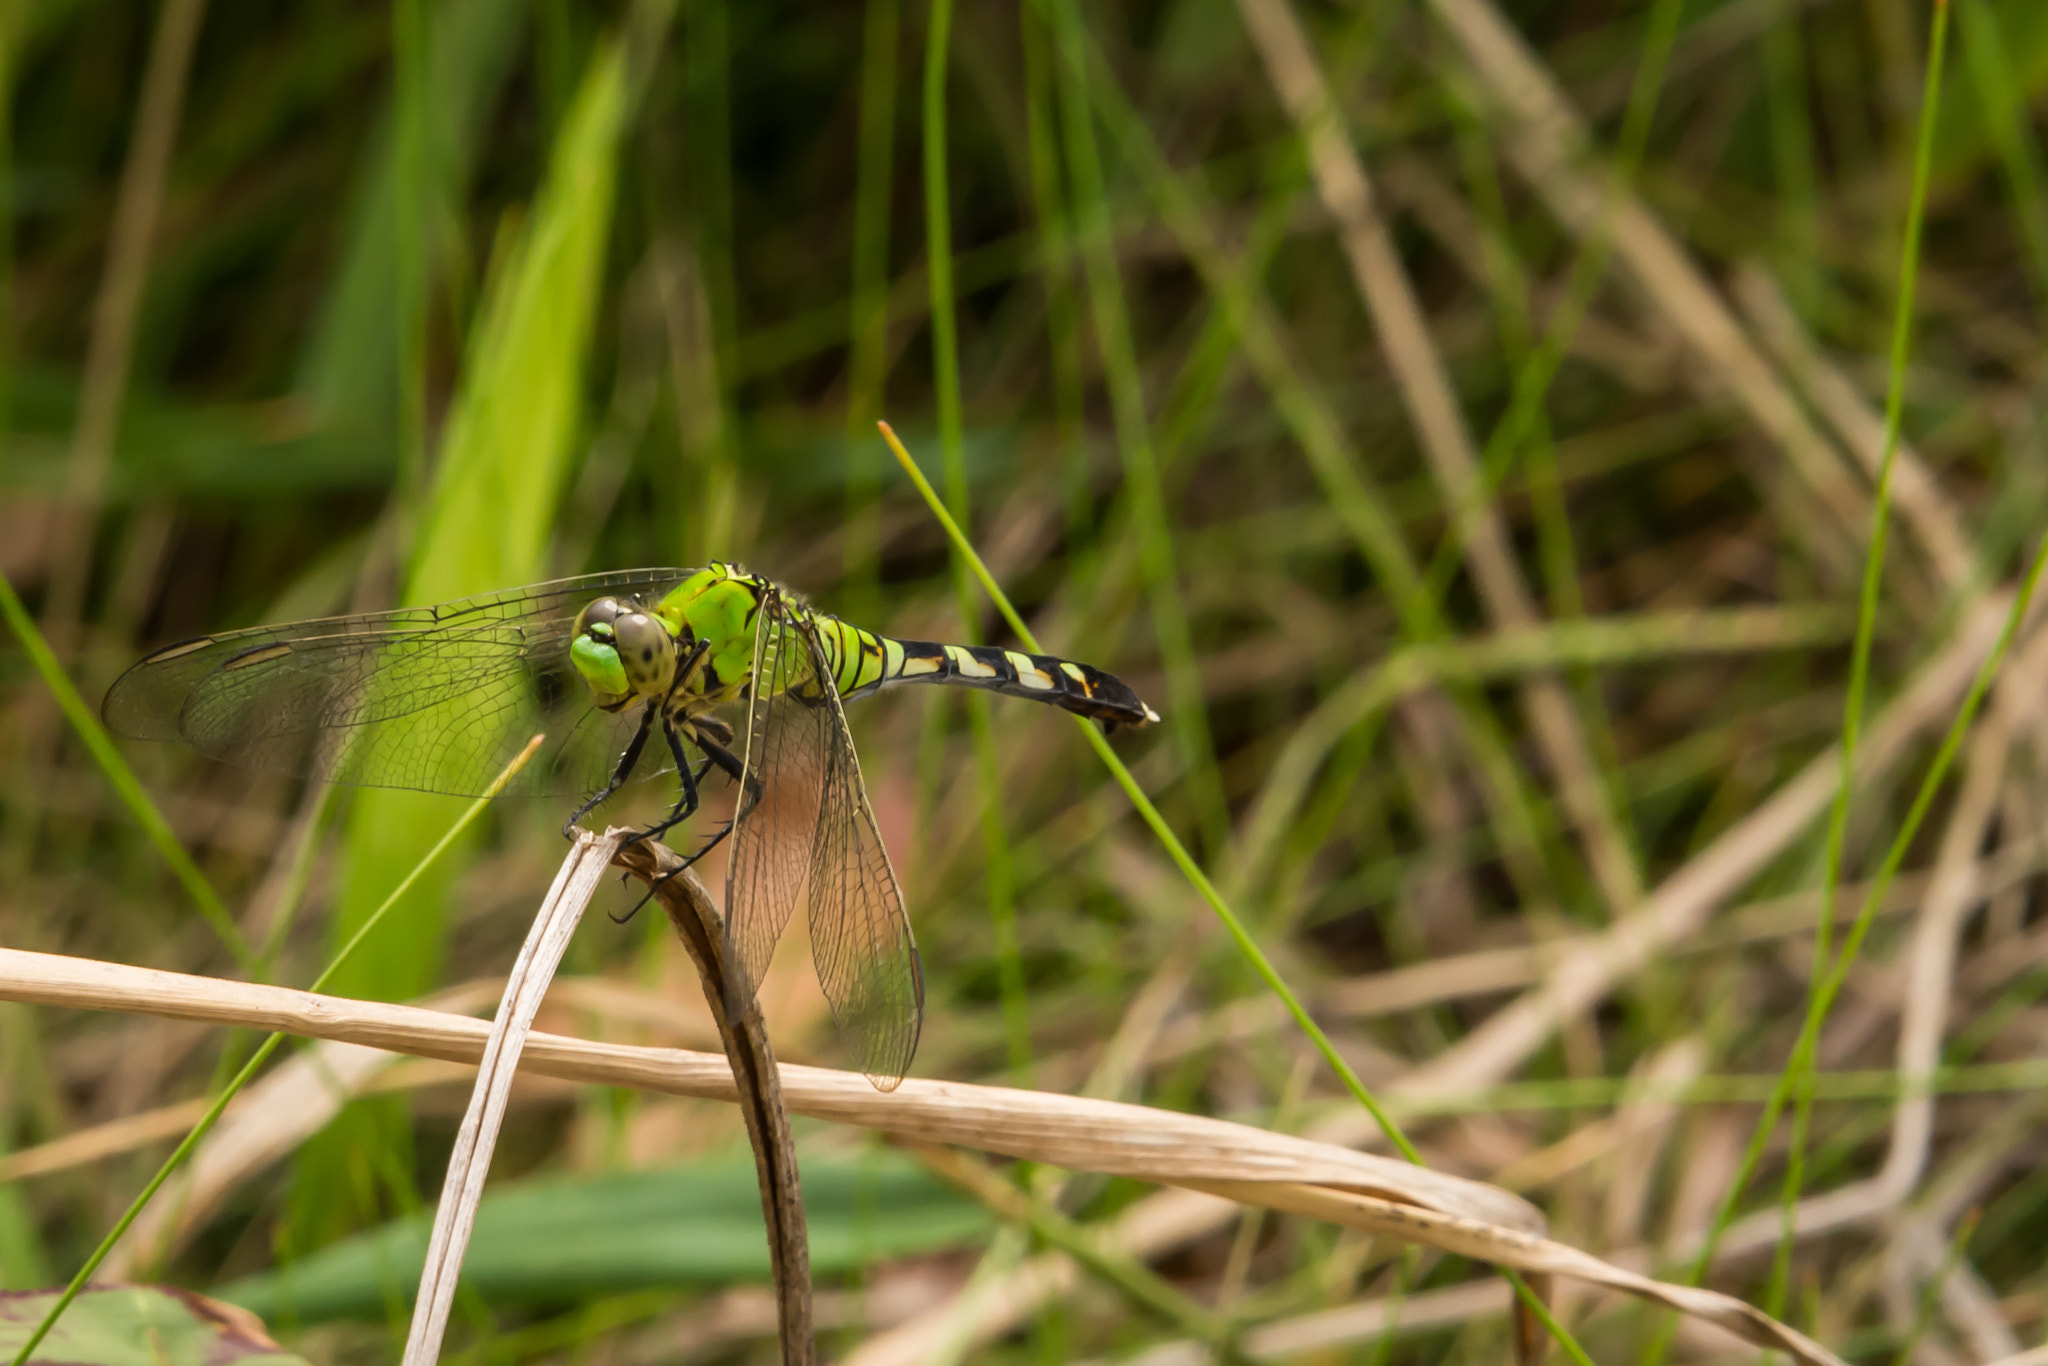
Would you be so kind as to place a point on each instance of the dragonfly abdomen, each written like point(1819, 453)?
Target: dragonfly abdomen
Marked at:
point(879, 662)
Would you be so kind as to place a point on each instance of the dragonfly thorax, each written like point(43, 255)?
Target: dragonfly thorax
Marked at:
point(623, 652)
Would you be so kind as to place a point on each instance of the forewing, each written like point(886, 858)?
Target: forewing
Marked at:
point(781, 793)
point(860, 937)
point(433, 698)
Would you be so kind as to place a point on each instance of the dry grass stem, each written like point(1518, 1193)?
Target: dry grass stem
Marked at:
point(1526, 1252)
point(1242, 1164)
point(498, 1063)
point(735, 1008)
point(1680, 906)
point(1067, 1131)
point(111, 1139)
point(1413, 670)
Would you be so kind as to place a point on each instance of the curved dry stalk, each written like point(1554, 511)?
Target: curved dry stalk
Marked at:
point(1206, 1156)
point(1109, 1137)
point(298, 1097)
point(1523, 1251)
point(700, 924)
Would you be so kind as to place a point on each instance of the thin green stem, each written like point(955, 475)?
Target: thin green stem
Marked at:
point(1801, 1064)
point(1536, 1306)
point(1930, 1294)
point(409, 189)
point(1866, 631)
point(1055, 272)
point(1348, 487)
point(1792, 155)
point(1150, 814)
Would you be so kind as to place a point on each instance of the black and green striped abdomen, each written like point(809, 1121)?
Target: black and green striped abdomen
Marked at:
point(863, 663)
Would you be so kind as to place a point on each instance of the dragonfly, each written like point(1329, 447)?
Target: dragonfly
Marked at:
point(439, 699)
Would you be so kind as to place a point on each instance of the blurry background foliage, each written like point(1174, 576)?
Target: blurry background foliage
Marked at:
point(331, 305)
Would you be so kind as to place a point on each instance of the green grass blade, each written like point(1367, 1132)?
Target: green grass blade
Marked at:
point(506, 452)
point(1798, 1077)
point(2003, 108)
point(1866, 630)
point(350, 372)
point(1054, 236)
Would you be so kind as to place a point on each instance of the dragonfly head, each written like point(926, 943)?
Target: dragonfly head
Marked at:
point(622, 652)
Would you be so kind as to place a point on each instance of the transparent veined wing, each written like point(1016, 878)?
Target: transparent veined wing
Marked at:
point(437, 698)
point(807, 834)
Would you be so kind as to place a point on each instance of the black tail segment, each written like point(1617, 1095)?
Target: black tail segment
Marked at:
point(1079, 688)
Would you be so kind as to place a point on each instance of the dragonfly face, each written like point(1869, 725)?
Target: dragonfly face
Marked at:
point(623, 653)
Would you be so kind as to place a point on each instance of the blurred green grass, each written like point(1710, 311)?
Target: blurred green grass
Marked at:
point(456, 296)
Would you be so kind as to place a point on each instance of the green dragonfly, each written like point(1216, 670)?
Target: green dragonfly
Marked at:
point(440, 699)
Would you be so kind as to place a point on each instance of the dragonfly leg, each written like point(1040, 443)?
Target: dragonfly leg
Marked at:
point(686, 804)
point(623, 771)
point(750, 792)
point(729, 763)
point(686, 667)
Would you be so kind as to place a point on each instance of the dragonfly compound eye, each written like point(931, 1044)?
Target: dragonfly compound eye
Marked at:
point(646, 651)
point(595, 620)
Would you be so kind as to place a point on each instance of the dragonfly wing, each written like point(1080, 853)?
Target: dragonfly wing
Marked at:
point(860, 937)
point(806, 835)
point(433, 698)
point(781, 794)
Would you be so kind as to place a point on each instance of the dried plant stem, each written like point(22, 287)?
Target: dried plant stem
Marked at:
point(757, 1082)
point(1253, 1166)
point(1067, 1131)
point(463, 1186)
